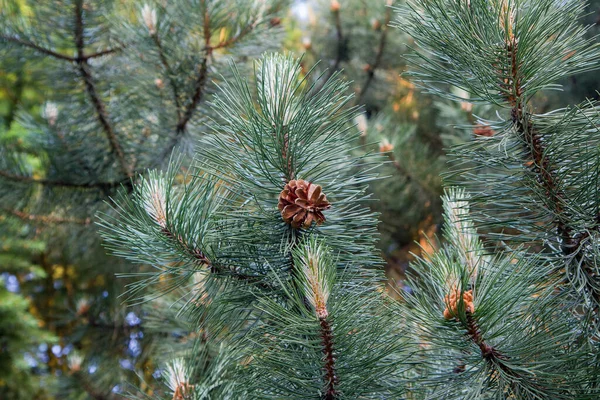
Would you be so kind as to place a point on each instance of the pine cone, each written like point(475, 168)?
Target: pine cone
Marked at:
point(301, 203)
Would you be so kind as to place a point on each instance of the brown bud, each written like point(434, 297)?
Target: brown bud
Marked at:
point(452, 301)
point(306, 43)
point(466, 106)
point(385, 146)
point(301, 203)
point(483, 130)
point(275, 21)
point(376, 24)
point(335, 6)
point(159, 83)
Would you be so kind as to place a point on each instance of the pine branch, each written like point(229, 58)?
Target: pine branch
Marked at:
point(196, 97)
point(487, 352)
point(200, 83)
point(378, 56)
point(202, 74)
point(330, 376)
point(184, 119)
point(542, 166)
point(340, 50)
point(54, 54)
point(491, 354)
point(83, 66)
point(101, 53)
point(37, 47)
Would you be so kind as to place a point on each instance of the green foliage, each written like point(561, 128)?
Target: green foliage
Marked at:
point(23, 373)
point(527, 296)
point(224, 223)
point(109, 90)
point(355, 38)
point(514, 341)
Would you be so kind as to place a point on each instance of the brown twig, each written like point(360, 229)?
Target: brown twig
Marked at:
point(340, 50)
point(37, 48)
point(99, 54)
point(54, 54)
point(46, 219)
point(378, 56)
point(202, 73)
point(541, 165)
point(83, 66)
point(330, 376)
point(488, 352)
point(198, 94)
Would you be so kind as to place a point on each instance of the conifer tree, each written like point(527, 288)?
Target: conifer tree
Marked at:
point(271, 218)
point(355, 38)
point(124, 83)
point(513, 314)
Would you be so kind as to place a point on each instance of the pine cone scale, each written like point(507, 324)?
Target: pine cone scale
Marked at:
point(301, 203)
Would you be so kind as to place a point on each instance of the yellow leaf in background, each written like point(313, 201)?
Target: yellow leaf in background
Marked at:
point(100, 281)
point(58, 271)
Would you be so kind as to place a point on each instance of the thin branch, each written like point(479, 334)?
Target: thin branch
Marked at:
point(37, 48)
point(99, 54)
point(55, 54)
point(571, 241)
point(487, 352)
point(83, 67)
point(198, 89)
point(46, 219)
point(170, 73)
point(203, 261)
point(202, 74)
point(340, 50)
point(378, 56)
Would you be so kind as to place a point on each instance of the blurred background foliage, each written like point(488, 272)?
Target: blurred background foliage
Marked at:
point(65, 331)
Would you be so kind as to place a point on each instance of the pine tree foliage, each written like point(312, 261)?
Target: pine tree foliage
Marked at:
point(304, 292)
point(535, 181)
point(488, 326)
point(533, 189)
point(105, 58)
point(355, 38)
point(127, 84)
point(23, 373)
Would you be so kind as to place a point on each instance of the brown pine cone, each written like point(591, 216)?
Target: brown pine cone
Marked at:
point(301, 203)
